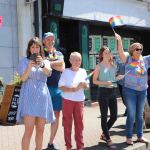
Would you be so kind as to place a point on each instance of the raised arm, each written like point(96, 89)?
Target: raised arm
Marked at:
point(26, 73)
point(122, 54)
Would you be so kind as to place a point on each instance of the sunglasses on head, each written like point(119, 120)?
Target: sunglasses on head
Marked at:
point(138, 49)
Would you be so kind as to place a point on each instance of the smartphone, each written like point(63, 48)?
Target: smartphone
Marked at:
point(33, 56)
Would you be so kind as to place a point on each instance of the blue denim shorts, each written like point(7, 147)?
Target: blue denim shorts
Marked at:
point(55, 93)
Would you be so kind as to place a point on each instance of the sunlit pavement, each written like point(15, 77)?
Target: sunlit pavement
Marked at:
point(10, 136)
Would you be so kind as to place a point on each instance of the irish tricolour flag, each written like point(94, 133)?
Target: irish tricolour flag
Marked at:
point(116, 21)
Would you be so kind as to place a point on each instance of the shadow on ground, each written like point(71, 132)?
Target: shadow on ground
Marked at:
point(103, 146)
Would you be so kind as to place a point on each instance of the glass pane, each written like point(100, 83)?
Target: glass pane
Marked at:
point(112, 44)
point(97, 44)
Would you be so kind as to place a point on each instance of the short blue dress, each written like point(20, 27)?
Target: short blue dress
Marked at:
point(35, 99)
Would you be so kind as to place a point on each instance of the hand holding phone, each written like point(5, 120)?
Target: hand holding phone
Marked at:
point(39, 59)
point(33, 57)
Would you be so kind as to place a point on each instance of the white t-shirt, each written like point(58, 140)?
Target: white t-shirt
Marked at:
point(70, 79)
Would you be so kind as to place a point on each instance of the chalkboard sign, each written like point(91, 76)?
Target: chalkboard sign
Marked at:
point(9, 104)
point(11, 116)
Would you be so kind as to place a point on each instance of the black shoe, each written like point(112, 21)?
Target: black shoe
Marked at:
point(52, 147)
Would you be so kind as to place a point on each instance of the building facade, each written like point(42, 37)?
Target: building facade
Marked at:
point(80, 25)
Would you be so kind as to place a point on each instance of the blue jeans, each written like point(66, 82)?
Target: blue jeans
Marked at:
point(135, 101)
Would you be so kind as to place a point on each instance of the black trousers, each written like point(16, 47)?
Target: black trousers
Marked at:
point(107, 100)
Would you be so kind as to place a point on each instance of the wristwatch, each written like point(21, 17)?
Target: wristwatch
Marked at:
point(42, 65)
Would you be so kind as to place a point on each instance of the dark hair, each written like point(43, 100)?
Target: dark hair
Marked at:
point(34, 40)
point(101, 54)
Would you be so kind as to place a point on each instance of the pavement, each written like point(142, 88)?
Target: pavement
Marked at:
point(10, 136)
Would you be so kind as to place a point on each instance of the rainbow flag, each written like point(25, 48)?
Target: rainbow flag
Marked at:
point(90, 75)
point(1, 21)
point(116, 21)
point(133, 64)
point(140, 67)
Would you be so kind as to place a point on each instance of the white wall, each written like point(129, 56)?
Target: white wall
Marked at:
point(15, 33)
point(8, 39)
point(133, 12)
point(25, 25)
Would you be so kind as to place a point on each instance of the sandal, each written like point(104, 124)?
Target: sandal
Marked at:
point(102, 137)
point(142, 140)
point(110, 144)
point(129, 141)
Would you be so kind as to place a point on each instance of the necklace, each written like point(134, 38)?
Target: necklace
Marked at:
point(51, 55)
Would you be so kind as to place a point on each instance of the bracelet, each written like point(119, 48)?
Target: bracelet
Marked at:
point(43, 65)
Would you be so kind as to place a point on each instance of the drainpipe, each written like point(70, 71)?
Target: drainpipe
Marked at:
point(36, 18)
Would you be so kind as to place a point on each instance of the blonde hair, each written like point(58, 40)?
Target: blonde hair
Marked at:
point(75, 54)
point(134, 46)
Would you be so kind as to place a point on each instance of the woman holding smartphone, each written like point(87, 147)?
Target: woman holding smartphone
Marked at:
point(35, 106)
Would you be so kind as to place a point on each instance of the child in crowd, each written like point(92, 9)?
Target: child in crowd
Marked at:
point(73, 81)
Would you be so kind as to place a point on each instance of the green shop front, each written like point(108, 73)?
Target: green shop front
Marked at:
point(87, 37)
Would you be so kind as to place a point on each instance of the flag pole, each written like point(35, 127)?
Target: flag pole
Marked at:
point(113, 30)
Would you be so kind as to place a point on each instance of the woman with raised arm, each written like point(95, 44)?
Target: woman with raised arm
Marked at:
point(135, 84)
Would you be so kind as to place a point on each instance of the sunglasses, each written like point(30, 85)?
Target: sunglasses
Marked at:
point(138, 49)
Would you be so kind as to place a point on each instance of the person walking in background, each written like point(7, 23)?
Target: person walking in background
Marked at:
point(104, 77)
point(121, 71)
point(57, 63)
point(35, 106)
point(72, 82)
point(135, 84)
